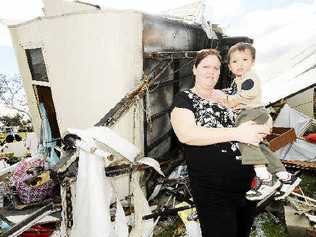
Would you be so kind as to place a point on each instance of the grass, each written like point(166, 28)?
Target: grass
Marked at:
point(308, 184)
point(267, 225)
point(4, 135)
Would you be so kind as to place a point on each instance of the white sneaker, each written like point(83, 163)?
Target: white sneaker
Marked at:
point(263, 189)
point(288, 186)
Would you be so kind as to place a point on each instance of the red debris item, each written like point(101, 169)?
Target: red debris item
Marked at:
point(253, 182)
point(311, 137)
point(38, 231)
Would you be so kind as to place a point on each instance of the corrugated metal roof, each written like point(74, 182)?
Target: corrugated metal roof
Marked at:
point(192, 13)
point(294, 72)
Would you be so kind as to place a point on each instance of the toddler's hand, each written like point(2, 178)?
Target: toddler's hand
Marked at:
point(219, 96)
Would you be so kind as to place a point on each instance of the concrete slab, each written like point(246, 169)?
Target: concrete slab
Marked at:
point(297, 225)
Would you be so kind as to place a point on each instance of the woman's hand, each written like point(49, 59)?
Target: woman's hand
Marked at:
point(219, 97)
point(252, 133)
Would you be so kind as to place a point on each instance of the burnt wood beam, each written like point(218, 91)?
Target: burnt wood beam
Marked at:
point(163, 84)
point(159, 114)
point(174, 82)
point(131, 97)
point(159, 140)
point(145, 124)
point(170, 55)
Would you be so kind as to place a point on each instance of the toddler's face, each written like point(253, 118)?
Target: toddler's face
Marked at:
point(240, 62)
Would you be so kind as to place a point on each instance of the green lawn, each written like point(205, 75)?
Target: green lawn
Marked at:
point(4, 135)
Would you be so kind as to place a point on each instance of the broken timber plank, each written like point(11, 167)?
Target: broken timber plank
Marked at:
point(130, 98)
point(170, 55)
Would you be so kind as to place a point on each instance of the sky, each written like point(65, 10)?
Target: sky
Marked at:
point(277, 26)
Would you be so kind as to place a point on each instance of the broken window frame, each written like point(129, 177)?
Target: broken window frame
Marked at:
point(37, 66)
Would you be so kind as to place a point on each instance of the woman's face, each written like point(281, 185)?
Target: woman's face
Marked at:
point(207, 72)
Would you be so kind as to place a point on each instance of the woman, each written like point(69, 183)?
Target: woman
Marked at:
point(206, 130)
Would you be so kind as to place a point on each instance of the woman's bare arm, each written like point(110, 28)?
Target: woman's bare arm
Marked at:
point(188, 132)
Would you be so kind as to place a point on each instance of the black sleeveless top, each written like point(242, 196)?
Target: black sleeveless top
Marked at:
point(218, 166)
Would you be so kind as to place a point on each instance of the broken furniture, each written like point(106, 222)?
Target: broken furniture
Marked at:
point(280, 137)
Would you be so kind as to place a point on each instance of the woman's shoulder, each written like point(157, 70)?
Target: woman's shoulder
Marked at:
point(185, 94)
point(183, 99)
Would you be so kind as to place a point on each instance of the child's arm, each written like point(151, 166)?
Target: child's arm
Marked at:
point(222, 98)
point(234, 101)
point(249, 90)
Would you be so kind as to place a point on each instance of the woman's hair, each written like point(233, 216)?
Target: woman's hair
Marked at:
point(204, 53)
point(242, 46)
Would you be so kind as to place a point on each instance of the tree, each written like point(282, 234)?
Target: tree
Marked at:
point(16, 120)
point(12, 94)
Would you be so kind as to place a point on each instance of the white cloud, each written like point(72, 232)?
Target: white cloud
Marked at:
point(13, 11)
point(5, 38)
point(20, 9)
point(222, 11)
